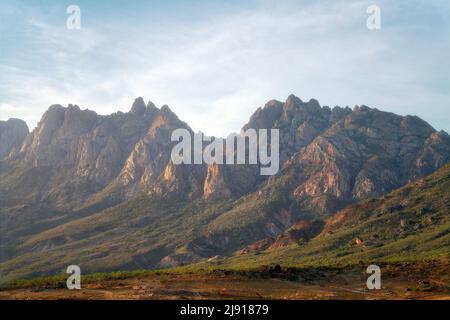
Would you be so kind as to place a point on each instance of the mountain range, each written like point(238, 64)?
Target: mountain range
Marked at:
point(101, 191)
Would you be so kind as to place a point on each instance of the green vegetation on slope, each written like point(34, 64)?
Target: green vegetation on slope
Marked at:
point(411, 223)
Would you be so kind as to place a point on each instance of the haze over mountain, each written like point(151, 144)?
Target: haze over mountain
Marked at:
point(102, 193)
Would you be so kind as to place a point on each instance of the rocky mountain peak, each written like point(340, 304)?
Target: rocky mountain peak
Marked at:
point(138, 107)
point(14, 123)
point(361, 108)
point(367, 153)
point(134, 149)
point(73, 108)
point(12, 135)
point(151, 106)
point(167, 112)
point(54, 108)
point(292, 101)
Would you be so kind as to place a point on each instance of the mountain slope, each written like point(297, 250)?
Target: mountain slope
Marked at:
point(409, 224)
point(366, 154)
point(102, 193)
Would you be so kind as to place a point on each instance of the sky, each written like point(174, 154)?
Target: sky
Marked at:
point(215, 62)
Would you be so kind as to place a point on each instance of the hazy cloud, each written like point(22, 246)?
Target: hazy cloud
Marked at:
point(214, 71)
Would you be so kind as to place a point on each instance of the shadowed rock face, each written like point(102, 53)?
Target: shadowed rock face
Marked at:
point(80, 165)
point(12, 135)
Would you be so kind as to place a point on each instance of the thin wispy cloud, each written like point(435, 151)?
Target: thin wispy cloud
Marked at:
point(216, 69)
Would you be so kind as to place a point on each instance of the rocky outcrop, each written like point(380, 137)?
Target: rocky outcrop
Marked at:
point(215, 184)
point(180, 181)
point(84, 152)
point(366, 154)
point(12, 135)
point(299, 122)
point(297, 234)
point(151, 153)
point(300, 232)
point(258, 246)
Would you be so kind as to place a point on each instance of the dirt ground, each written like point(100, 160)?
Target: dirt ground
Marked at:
point(397, 283)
